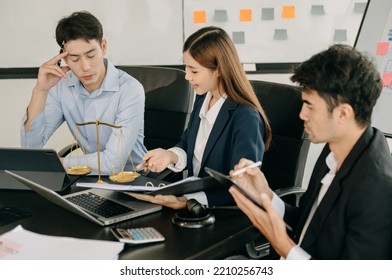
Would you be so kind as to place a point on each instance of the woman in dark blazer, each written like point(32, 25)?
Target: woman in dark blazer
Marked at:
point(227, 122)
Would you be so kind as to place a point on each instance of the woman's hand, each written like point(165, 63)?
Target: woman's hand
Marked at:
point(157, 160)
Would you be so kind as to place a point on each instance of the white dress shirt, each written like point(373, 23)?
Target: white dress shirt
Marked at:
point(207, 121)
point(297, 253)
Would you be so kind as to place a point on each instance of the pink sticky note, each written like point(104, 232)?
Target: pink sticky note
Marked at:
point(382, 48)
point(8, 247)
point(387, 79)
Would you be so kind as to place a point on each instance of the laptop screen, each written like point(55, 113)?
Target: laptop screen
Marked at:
point(40, 165)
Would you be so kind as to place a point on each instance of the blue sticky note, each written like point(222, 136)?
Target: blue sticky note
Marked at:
point(239, 37)
point(317, 10)
point(359, 7)
point(220, 15)
point(280, 34)
point(340, 35)
point(267, 14)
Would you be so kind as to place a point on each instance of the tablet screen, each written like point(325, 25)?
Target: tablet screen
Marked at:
point(227, 181)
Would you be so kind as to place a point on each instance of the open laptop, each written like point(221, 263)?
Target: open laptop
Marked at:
point(39, 165)
point(102, 207)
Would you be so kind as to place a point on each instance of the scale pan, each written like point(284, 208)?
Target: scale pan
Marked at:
point(79, 170)
point(124, 176)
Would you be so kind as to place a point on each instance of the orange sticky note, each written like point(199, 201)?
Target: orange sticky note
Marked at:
point(382, 48)
point(199, 17)
point(288, 12)
point(387, 79)
point(245, 15)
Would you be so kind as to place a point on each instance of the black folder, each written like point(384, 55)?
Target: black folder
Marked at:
point(189, 187)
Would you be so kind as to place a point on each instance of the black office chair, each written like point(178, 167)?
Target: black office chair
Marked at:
point(284, 162)
point(169, 101)
point(388, 136)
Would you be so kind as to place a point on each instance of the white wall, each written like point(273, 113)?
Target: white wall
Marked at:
point(15, 95)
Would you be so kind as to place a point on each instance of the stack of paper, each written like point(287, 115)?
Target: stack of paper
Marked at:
point(22, 244)
point(131, 188)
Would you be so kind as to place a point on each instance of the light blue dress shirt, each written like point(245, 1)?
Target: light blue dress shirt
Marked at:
point(119, 101)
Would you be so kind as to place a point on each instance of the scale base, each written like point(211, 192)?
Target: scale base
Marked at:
point(187, 219)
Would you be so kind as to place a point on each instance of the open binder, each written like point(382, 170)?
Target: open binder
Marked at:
point(143, 184)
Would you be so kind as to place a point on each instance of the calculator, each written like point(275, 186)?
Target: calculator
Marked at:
point(138, 235)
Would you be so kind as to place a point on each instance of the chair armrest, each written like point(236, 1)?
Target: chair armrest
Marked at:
point(290, 195)
point(260, 248)
point(67, 149)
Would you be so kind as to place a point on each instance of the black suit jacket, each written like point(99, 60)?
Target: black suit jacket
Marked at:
point(354, 219)
point(238, 132)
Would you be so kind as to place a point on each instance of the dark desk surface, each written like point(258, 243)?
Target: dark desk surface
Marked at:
point(230, 232)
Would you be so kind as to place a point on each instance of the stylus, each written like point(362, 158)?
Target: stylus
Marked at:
point(242, 170)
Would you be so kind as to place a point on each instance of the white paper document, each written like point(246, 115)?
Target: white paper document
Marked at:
point(145, 188)
point(21, 244)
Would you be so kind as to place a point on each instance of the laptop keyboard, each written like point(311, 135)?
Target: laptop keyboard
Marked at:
point(98, 204)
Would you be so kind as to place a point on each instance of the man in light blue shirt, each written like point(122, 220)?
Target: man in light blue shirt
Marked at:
point(88, 89)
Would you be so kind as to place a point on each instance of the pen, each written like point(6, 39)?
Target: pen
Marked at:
point(146, 166)
point(60, 52)
point(242, 170)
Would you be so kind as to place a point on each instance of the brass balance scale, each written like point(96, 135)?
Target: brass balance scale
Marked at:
point(79, 170)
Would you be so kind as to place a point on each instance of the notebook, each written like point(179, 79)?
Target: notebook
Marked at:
point(102, 207)
point(39, 165)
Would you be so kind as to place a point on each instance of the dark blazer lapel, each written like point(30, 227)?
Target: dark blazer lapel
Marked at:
point(335, 189)
point(322, 212)
point(309, 197)
point(337, 184)
point(220, 124)
point(193, 129)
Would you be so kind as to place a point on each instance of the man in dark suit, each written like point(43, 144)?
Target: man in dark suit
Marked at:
point(346, 211)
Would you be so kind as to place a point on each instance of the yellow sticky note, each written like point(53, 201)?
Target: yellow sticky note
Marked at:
point(199, 17)
point(288, 12)
point(245, 15)
point(382, 48)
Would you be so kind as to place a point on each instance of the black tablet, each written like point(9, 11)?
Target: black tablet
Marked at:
point(227, 181)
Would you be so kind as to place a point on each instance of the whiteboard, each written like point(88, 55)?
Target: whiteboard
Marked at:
point(147, 32)
point(375, 39)
point(270, 31)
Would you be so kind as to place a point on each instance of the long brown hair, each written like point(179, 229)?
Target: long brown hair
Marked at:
point(212, 48)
